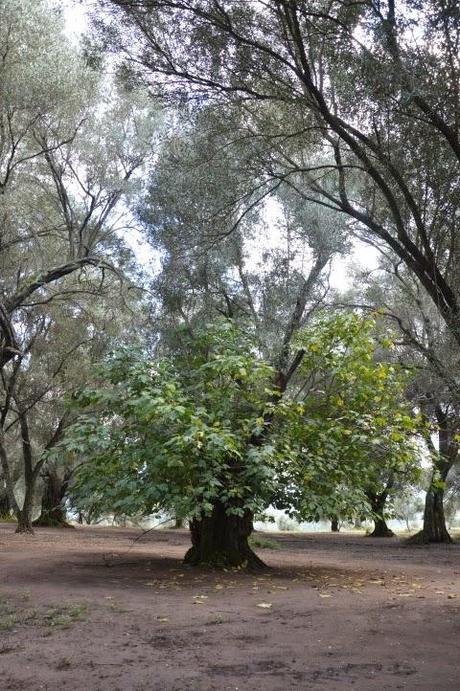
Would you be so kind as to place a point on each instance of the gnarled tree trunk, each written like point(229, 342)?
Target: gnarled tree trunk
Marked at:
point(377, 502)
point(434, 521)
point(221, 539)
point(53, 510)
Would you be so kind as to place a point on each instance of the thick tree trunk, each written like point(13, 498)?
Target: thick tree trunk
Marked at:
point(434, 522)
point(335, 524)
point(381, 529)
point(53, 510)
point(377, 502)
point(24, 518)
point(222, 540)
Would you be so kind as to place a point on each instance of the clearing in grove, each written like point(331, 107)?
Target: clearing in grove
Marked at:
point(95, 609)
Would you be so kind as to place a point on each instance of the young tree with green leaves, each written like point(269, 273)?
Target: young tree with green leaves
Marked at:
point(209, 434)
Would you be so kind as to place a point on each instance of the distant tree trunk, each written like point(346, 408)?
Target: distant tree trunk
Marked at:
point(53, 510)
point(178, 522)
point(222, 540)
point(335, 524)
point(377, 502)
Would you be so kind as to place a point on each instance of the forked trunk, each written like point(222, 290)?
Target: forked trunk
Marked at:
point(221, 540)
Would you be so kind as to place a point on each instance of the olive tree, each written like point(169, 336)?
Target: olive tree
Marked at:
point(69, 155)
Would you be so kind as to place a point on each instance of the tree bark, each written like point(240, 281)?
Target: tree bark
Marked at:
point(377, 502)
point(381, 529)
point(335, 524)
point(53, 510)
point(24, 518)
point(220, 539)
point(434, 521)
point(24, 515)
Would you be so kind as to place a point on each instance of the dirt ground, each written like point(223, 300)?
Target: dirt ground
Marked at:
point(92, 609)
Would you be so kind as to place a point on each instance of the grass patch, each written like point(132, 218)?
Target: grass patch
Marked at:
point(64, 616)
point(259, 542)
point(8, 615)
point(61, 616)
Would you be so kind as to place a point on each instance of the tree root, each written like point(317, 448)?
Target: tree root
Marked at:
point(246, 559)
point(381, 533)
point(422, 538)
point(49, 522)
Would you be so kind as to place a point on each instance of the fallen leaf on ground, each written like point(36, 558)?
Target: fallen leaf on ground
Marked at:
point(264, 605)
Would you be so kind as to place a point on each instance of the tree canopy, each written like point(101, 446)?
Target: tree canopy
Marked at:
point(209, 427)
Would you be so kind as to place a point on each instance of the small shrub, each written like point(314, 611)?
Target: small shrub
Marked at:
point(286, 524)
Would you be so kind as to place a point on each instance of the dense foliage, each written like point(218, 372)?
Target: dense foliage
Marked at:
point(210, 426)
